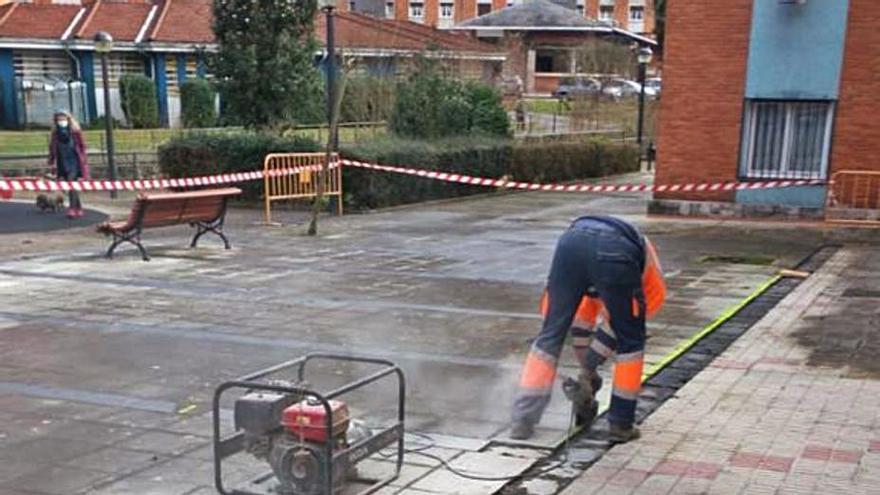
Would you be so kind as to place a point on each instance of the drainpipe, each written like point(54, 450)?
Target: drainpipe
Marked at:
point(78, 75)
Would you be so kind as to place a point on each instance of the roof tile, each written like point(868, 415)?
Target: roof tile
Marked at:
point(41, 21)
point(123, 20)
point(186, 21)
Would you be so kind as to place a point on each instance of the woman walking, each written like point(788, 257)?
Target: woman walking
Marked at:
point(67, 151)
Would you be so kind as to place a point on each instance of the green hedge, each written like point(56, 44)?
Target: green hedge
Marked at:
point(197, 103)
point(365, 189)
point(139, 102)
point(560, 161)
point(547, 162)
point(205, 154)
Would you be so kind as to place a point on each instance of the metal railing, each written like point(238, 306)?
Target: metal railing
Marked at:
point(854, 197)
point(279, 184)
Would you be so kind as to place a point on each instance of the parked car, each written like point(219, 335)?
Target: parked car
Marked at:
point(577, 87)
point(653, 86)
point(618, 89)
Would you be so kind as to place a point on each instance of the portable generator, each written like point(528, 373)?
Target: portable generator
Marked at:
point(308, 438)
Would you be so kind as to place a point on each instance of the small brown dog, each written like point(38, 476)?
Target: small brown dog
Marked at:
point(54, 204)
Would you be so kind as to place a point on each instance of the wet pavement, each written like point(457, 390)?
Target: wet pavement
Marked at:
point(22, 216)
point(108, 366)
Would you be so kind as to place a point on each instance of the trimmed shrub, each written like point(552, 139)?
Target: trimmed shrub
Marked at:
point(560, 161)
point(205, 154)
point(537, 161)
point(197, 98)
point(139, 103)
point(430, 105)
point(366, 189)
point(368, 99)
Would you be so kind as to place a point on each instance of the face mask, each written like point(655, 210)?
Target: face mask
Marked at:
point(62, 124)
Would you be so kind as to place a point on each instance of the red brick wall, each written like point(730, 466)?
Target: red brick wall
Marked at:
point(432, 12)
point(704, 76)
point(650, 17)
point(856, 143)
point(498, 4)
point(401, 10)
point(592, 9)
point(621, 13)
point(465, 9)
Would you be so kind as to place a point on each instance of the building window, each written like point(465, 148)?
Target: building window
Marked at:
point(637, 14)
point(352, 7)
point(389, 10)
point(447, 10)
point(483, 8)
point(553, 60)
point(580, 10)
point(606, 13)
point(416, 10)
point(786, 139)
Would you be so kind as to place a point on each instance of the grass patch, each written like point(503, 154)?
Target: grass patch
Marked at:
point(127, 140)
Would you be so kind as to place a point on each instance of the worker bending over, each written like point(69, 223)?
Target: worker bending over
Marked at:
point(605, 280)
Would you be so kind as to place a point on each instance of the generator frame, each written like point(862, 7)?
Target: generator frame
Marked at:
point(232, 444)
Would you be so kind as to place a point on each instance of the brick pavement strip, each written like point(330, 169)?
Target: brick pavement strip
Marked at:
point(760, 419)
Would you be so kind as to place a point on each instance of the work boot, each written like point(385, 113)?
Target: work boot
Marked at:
point(521, 430)
point(622, 434)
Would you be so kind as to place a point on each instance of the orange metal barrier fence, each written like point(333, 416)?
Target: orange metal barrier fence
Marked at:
point(854, 197)
point(302, 185)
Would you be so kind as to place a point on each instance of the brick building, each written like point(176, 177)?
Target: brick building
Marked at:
point(632, 15)
point(767, 89)
point(542, 40)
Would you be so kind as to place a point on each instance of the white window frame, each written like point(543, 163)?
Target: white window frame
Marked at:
point(637, 8)
point(416, 10)
point(603, 9)
point(451, 6)
point(783, 171)
point(389, 10)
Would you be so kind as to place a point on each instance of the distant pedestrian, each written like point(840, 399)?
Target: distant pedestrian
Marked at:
point(520, 111)
point(67, 152)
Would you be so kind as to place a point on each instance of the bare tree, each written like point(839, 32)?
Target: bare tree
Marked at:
point(347, 66)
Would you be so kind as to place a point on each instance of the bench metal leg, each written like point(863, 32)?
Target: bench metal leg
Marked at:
point(204, 228)
point(134, 238)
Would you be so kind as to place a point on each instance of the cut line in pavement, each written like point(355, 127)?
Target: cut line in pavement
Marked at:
point(88, 397)
point(315, 302)
point(273, 342)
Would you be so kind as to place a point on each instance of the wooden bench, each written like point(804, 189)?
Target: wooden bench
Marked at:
point(205, 210)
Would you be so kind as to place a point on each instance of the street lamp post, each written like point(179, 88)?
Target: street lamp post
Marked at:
point(644, 57)
point(329, 6)
point(103, 45)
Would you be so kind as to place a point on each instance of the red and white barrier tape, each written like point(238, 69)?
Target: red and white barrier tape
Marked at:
point(211, 180)
point(530, 186)
point(43, 185)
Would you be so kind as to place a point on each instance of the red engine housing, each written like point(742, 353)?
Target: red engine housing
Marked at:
point(308, 421)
